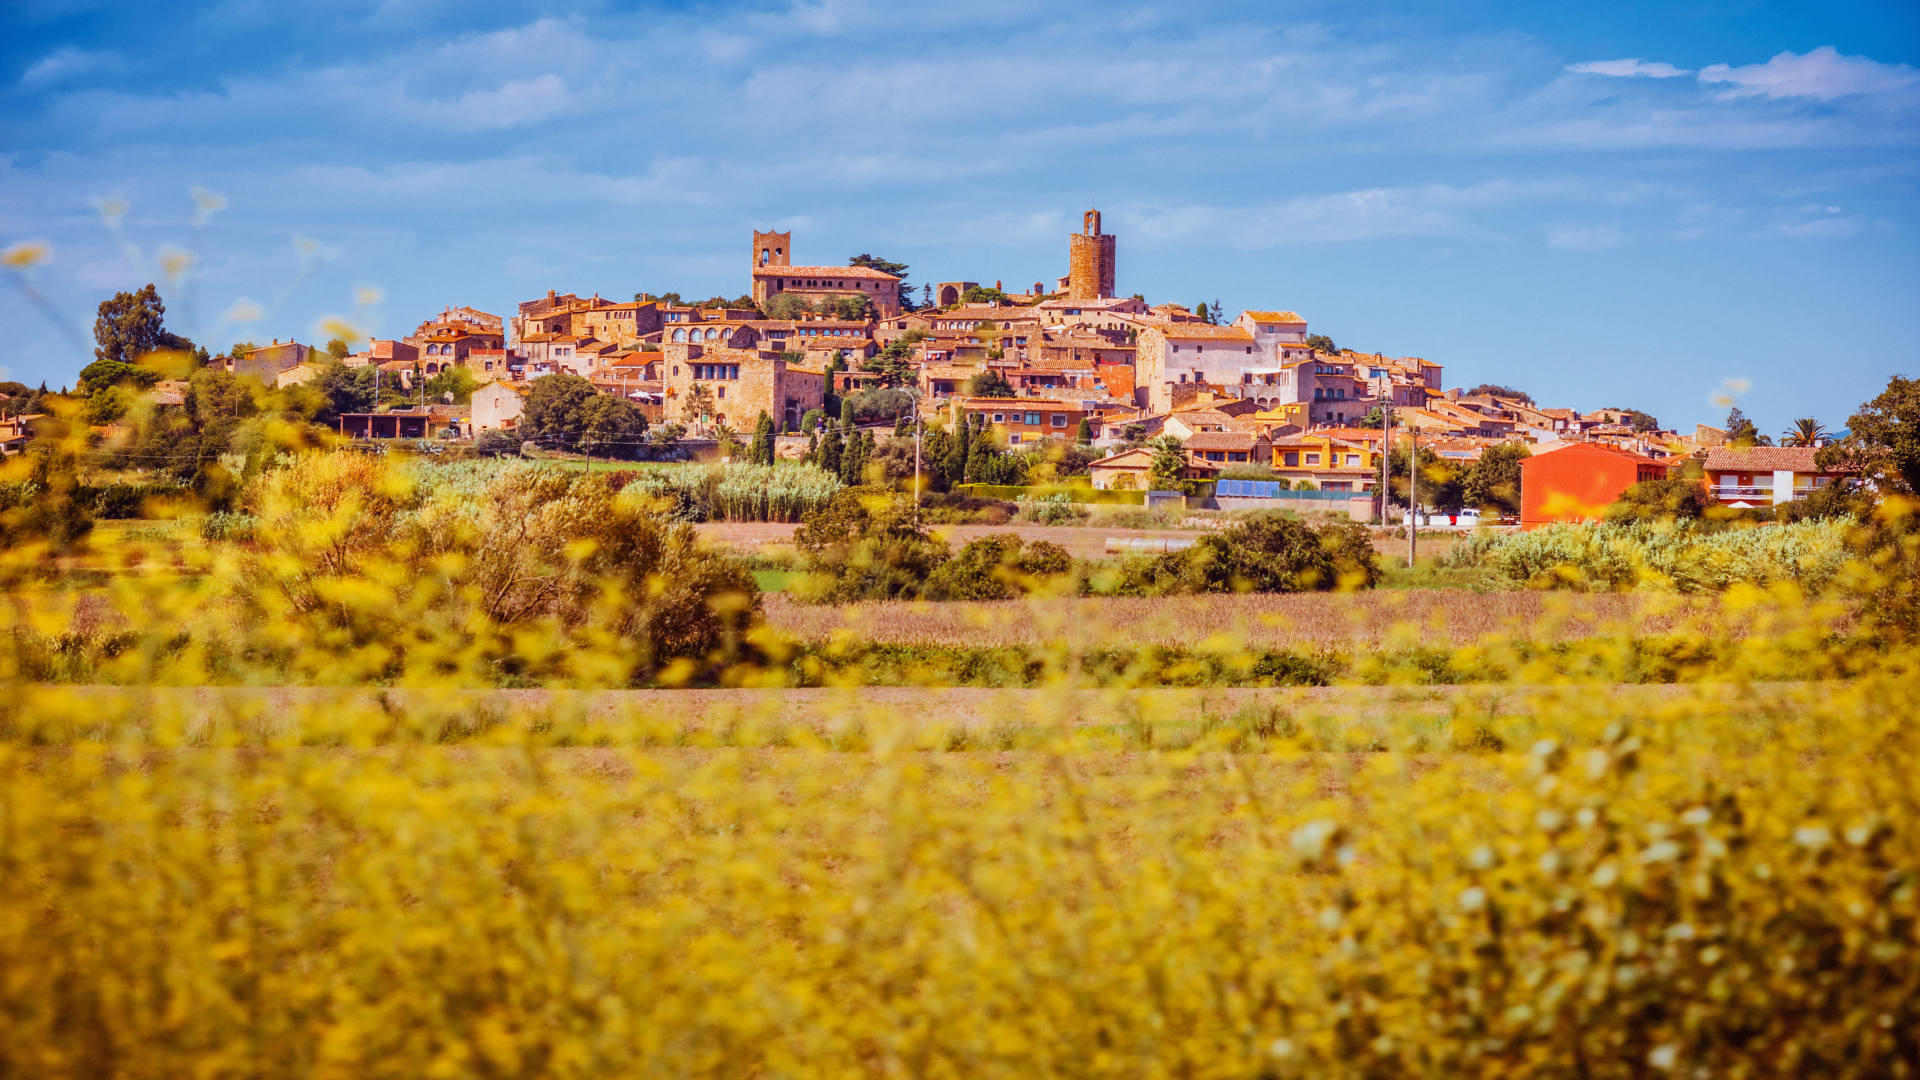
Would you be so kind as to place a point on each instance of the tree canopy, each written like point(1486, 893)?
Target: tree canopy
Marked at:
point(131, 325)
point(1496, 390)
point(989, 384)
point(1883, 439)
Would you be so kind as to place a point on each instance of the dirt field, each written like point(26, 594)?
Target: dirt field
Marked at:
point(1402, 618)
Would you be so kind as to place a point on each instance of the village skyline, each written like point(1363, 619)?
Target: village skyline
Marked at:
point(1591, 209)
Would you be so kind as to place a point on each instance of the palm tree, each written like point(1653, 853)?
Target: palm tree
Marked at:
point(1806, 432)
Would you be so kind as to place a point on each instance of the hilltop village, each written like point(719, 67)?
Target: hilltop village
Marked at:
point(1122, 380)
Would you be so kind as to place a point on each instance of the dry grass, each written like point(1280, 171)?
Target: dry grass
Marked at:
point(1436, 618)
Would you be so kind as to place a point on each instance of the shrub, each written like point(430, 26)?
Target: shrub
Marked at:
point(227, 527)
point(1661, 500)
point(117, 502)
point(1272, 553)
point(1677, 555)
point(1057, 509)
point(495, 442)
point(866, 544)
point(999, 567)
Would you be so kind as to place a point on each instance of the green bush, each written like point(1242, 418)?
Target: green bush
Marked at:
point(1267, 554)
point(120, 502)
point(867, 543)
point(1661, 500)
point(223, 526)
point(1055, 509)
point(1000, 567)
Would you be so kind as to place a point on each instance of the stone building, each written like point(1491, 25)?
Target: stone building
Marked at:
point(268, 361)
point(1090, 260)
point(774, 275)
point(742, 384)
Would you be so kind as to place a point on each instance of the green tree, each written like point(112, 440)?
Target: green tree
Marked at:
point(983, 295)
point(1641, 421)
point(337, 349)
point(132, 325)
point(832, 449)
point(1662, 500)
point(698, 404)
point(556, 409)
point(866, 544)
point(1322, 343)
point(455, 380)
point(1740, 430)
point(897, 269)
point(761, 453)
point(846, 412)
point(1168, 465)
point(346, 389)
point(611, 426)
point(1493, 482)
point(1085, 432)
point(1487, 389)
point(1882, 445)
point(1807, 432)
point(990, 384)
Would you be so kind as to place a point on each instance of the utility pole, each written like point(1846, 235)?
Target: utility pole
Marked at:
point(1386, 436)
point(1413, 492)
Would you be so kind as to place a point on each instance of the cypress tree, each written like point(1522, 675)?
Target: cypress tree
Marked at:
point(813, 448)
point(1085, 434)
point(831, 450)
point(846, 413)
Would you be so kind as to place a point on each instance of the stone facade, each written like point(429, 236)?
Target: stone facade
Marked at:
point(268, 361)
point(743, 383)
point(772, 248)
point(1090, 260)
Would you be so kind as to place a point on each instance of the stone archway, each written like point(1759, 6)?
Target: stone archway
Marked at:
point(949, 295)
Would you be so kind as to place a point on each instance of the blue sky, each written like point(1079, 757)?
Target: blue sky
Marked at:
point(1622, 207)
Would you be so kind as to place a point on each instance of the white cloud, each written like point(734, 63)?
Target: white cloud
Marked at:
point(1822, 73)
point(1819, 229)
point(509, 105)
point(62, 64)
point(1652, 69)
point(1586, 237)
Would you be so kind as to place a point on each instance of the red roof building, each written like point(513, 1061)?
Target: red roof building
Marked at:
point(1578, 481)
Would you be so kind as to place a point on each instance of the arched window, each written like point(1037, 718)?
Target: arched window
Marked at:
point(711, 334)
point(679, 335)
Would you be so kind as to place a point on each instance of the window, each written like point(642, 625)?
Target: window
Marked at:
point(1014, 438)
point(1059, 420)
point(1353, 459)
point(676, 369)
point(999, 418)
point(722, 393)
point(1033, 418)
point(1290, 457)
point(1313, 459)
point(1216, 455)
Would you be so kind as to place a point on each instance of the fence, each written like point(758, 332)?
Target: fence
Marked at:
point(1074, 493)
point(1272, 489)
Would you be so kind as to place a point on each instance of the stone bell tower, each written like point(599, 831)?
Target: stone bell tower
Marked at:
point(1090, 260)
point(772, 249)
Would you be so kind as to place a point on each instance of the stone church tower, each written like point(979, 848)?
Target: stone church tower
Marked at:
point(1089, 261)
point(772, 248)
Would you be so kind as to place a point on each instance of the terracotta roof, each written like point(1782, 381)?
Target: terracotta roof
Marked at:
point(1763, 459)
point(1223, 440)
point(867, 272)
point(1275, 317)
point(1191, 331)
point(1112, 460)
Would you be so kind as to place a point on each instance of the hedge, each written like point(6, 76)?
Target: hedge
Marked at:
point(1074, 493)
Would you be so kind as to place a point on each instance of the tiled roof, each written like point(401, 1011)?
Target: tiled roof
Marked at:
point(1223, 440)
point(1194, 331)
point(1275, 317)
point(1143, 456)
point(1762, 459)
point(867, 272)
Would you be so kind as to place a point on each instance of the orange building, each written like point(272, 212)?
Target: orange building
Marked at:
point(1578, 481)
